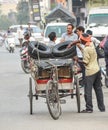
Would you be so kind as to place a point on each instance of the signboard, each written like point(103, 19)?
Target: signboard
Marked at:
point(36, 10)
point(53, 4)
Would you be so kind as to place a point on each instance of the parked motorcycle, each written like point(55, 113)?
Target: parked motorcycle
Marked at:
point(10, 43)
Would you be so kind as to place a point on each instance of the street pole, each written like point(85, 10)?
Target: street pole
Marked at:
point(70, 5)
point(30, 10)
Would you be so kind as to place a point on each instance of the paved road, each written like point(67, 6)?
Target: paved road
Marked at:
point(14, 103)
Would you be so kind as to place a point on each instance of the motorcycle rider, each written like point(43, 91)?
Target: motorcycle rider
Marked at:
point(25, 60)
point(27, 38)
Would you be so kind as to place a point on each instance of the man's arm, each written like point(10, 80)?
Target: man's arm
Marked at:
point(73, 43)
point(62, 40)
point(79, 46)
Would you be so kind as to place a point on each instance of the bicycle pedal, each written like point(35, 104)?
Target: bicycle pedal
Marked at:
point(62, 101)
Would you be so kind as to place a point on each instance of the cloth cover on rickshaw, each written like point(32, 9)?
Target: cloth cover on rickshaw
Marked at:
point(64, 68)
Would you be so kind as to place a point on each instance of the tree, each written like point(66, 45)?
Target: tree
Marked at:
point(23, 12)
point(4, 22)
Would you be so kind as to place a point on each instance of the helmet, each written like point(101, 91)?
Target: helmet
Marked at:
point(26, 35)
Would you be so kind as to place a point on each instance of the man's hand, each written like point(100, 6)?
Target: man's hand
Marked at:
point(69, 46)
point(78, 45)
point(62, 40)
point(75, 58)
point(73, 43)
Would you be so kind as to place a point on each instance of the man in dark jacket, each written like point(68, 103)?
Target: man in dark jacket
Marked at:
point(106, 55)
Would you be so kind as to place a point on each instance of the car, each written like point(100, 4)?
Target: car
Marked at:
point(36, 32)
point(59, 28)
point(97, 22)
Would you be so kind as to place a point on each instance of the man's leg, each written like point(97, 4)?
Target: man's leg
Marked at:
point(98, 91)
point(20, 42)
point(88, 92)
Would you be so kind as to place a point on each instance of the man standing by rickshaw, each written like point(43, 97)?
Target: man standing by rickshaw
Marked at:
point(93, 74)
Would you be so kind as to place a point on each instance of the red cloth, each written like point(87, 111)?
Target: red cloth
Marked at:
point(86, 39)
point(102, 43)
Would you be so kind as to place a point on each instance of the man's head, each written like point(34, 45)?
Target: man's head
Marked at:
point(70, 28)
point(21, 27)
point(52, 36)
point(29, 25)
point(80, 30)
point(89, 32)
point(26, 35)
point(85, 38)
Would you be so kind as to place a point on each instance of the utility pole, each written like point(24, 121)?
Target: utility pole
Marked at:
point(30, 10)
point(70, 5)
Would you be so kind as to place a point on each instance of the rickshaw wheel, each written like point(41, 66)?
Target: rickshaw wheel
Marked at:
point(77, 93)
point(52, 99)
point(30, 95)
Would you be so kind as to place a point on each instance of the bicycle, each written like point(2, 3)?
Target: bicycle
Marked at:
point(54, 79)
point(52, 93)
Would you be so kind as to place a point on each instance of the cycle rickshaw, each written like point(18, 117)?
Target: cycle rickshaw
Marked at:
point(54, 79)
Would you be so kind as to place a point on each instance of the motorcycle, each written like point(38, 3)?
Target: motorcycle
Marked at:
point(1, 41)
point(10, 43)
point(25, 59)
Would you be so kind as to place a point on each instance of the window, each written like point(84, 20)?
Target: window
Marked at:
point(98, 18)
point(59, 30)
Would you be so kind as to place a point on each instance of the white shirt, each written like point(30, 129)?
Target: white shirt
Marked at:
point(20, 33)
point(51, 44)
point(79, 53)
point(95, 41)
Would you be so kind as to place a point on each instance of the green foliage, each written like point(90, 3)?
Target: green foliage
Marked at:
point(23, 12)
point(4, 22)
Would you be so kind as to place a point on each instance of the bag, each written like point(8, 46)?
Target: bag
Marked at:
point(100, 52)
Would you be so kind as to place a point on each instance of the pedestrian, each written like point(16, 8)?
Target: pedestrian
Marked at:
point(9, 32)
point(92, 73)
point(52, 37)
point(69, 35)
point(29, 29)
point(106, 58)
point(20, 33)
point(93, 39)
